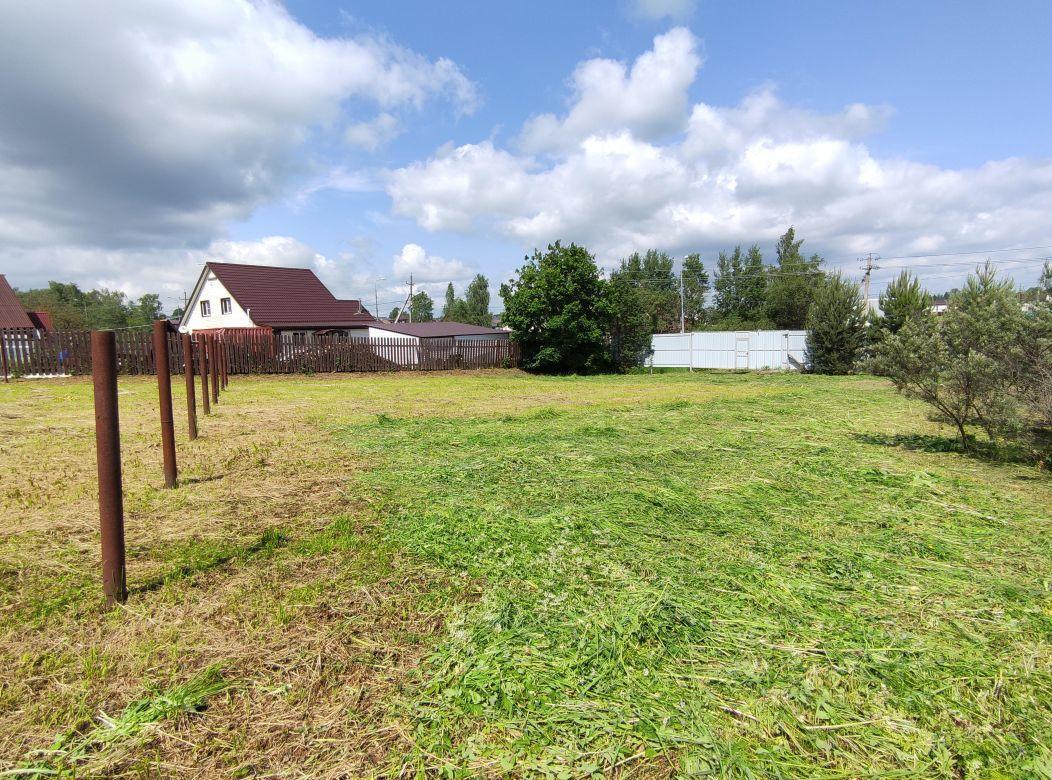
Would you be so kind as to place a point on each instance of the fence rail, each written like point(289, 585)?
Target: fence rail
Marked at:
point(27, 352)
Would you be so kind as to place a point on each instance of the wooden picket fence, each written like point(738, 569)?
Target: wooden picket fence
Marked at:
point(30, 353)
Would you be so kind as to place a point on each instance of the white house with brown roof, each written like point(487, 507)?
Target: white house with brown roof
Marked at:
point(284, 300)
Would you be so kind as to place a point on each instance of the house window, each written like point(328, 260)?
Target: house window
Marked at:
point(206, 308)
point(224, 306)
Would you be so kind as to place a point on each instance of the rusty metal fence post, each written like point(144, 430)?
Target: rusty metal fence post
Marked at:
point(202, 369)
point(223, 364)
point(108, 455)
point(191, 400)
point(164, 393)
point(213, 367)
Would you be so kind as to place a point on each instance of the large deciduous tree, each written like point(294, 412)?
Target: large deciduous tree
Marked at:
point(567, 319)
point(421, 307)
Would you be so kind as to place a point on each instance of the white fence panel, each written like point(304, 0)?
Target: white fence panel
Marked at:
point(743, 349)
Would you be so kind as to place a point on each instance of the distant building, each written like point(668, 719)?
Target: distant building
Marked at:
point(939, 304)
point(289, 301)
point(428, 331)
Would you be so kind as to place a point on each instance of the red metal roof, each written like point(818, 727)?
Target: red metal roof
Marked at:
point(438, 329)
point(41, 320)
point(287, 297)
point(12, 314)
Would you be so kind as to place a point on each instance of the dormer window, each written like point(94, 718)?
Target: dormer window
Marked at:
point(206, 308)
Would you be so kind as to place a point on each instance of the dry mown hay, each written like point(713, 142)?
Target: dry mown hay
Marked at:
point(233, 569)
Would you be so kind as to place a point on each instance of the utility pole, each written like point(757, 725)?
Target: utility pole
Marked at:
point(682, 303)
point(410, 299)
point(866, 279)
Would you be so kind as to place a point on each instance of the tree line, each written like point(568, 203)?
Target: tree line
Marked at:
point(74, 309)
point(746, 293)
point(569, 318)
point(473, 308)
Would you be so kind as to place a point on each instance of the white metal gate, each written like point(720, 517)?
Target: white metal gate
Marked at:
point(757, 349)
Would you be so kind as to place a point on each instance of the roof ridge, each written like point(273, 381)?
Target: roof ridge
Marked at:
point(262, 265)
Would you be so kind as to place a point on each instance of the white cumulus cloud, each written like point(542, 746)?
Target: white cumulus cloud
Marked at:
point(633, 165)
point(650, 99)
point(414, 260)
point(157, 122)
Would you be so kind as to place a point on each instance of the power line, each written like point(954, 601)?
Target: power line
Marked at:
point(969, 252)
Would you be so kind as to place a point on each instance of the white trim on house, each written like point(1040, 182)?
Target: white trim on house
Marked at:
point(210, 289)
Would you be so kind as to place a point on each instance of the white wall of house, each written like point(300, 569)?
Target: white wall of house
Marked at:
point(213, 291)
point(380, 333)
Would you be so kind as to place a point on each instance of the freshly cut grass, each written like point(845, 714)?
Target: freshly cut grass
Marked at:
point(492, 574)
point(73, 753)
point(741, 586)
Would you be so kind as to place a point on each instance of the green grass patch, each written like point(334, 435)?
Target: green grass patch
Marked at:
point(737, 587)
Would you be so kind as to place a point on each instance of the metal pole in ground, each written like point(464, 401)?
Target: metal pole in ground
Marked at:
point(191, 400)
point(224, 362)
point(3, 356)
point(108, 454)
point(213, 368)
point(164, 393)
point(202, 369)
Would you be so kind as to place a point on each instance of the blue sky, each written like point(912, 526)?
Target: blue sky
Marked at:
point(373, 140)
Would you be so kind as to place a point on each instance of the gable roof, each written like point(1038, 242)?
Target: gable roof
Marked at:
point(437, 329)
point(12, 314)
point(287, 297)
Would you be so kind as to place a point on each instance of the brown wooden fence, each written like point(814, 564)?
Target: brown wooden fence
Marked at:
point(28, 352)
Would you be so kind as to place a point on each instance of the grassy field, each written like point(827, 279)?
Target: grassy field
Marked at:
point(492, 574)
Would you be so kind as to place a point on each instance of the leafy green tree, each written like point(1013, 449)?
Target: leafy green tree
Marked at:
point(74, 309)
point(695, 289)
point(557, 310)
point(752, 286)
point(740, 286)
point(653, 275)
point(394, 313)
point(628, 330)
point(728, 271)
point(836, 327)
point(476, 301)
point(903, 300)
point(145, 310)
point(421, 307)
point(792, 283)
point(66, 304)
